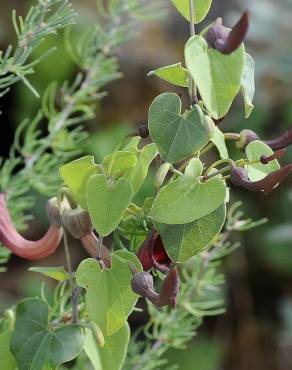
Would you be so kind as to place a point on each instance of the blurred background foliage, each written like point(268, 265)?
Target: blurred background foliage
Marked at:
point(256, 331)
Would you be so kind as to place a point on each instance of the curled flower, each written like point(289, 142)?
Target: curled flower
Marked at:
point(169, 290)
point(22, 247)
point(239, 177)
point(153, 254)
point(142, 284)
point(282, 142)
point(265, 159)
point(224, 40)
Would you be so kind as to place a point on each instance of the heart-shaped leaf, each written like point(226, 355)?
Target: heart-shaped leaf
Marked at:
point(177, 136)
point(174, 74)
point(36, 345)
point(76, 174)
point(201, 7)
point(109, 297)
point(117, 163)
point(248, 85)
point(218, 76)
point(185, 241)
point(112, 355)
point(254, 151)
point(107, 202)
point(145, 156)
point(187, 199)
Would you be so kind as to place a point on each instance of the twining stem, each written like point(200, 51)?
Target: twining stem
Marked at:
point(68, 260)
point(192, 85)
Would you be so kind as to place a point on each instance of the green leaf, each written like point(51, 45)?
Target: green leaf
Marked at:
point(185, 241)
point(57, 273)
point(7, 360)
point(76, 174)
point(201, 7)
point(36, 345)
point(117, 163)
point(187, 199)
point(112, 355)
point(137, 175)
point(248, 85)
point(218, 139)
point(177, 136)
point(107, 202)
point(175, 74)
point(254, 151)
point(217, 76)
point(109, 297)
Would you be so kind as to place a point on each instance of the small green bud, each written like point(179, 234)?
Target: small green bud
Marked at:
point(161, 174)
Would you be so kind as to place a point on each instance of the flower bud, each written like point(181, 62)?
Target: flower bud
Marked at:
point(142, 284)
point(161, 174)
point(53, 211)
point(143, 131)
point(77, 221)
point(246, 137)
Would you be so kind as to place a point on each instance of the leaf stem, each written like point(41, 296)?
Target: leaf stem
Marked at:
point(192, 85)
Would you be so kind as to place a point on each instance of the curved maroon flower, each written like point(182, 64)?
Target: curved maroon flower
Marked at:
point(225, 41)
point(33, 250)
point(239, 177)
point(153, 254)
point(281, 142)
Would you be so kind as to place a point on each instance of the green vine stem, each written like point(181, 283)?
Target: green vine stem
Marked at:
point(192, 85)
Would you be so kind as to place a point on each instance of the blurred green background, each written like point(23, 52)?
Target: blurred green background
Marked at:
point(256, 331)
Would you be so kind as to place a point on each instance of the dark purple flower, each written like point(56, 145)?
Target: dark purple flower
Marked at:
point(224, 40)
point(239, 177)
point(281, 142)
point(153, 254)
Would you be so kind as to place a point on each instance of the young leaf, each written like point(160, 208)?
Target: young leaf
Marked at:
point(174, 74)
point(218, 139)
point(258, 171)
point(176, 135)
point(76, 174)
point(202, 8)
point(35, 344)
point(185, 241)
point(109, 298)
point(217, 76)
point(7, 359)
point(145, 156)
point(117, 163)
point(113, 353)
point(57, 273)
point(107, 202)
point(186, 199)
point(248, 85)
